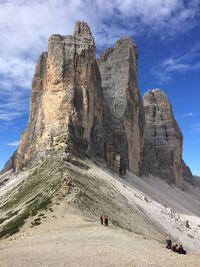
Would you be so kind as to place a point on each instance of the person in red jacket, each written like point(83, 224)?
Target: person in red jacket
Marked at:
point(106, 220)
point(101, 219)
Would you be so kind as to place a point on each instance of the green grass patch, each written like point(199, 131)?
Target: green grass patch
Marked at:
point(40, 178)
point(48, 178)
point(14, 226)
point(8, 216)
point(37, 221)
point(35, 197)
point(26, 190)
point(3, 219)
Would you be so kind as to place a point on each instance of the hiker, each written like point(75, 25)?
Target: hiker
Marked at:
point(106, 220)
point(168, 244)
point(174, 247)
point(101, 219)
point(180, 250)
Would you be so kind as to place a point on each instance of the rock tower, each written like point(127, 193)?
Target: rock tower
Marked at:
point(162, 138)
point(124, 116)
point(65, 107)
point(83, 104)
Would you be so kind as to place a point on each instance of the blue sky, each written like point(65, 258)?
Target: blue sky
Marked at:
point(167, 33)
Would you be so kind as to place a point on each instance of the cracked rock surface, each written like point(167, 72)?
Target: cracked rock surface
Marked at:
point(162, 138)
point(124, 115)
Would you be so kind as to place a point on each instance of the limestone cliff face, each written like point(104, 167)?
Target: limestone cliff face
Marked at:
point(65, 108)
point(162, 138)
point(79, 103)
point(123, 109)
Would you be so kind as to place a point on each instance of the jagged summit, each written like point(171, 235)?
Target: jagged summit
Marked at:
point(126, 41)
point(82, 28)
point(155, 95)
point(88, 105)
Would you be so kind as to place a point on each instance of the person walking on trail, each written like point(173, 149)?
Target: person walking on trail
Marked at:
point(106, 220)
point(174, 247)
point(168, 244)
point(180, 250)
point(101, 219)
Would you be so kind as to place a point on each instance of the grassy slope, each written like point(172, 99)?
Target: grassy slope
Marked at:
point(75, 183)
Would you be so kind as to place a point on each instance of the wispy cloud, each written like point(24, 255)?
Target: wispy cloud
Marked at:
point(186, 62)
point(14, 103)
point(15, 143)
point(26, 25)
point(189, 114)
point(8, 116)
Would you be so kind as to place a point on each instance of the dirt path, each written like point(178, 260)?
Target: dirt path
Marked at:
point(68, 239)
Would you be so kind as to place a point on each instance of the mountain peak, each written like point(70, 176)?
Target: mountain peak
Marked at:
point(82, 28)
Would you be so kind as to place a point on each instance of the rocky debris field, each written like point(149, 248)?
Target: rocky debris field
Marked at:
point(61, 212)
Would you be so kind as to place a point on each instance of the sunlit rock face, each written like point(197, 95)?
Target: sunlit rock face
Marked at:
point(123, 109)
point(83, 104)
point(162, 138)
point(78, 104)
point(65, 107)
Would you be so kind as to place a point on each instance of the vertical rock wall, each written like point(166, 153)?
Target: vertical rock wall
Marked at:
point(79, 103)
point(162, 138)
point(66, 99)
point(187, 174)
point(123, 110)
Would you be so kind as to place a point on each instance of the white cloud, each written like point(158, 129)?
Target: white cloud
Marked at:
point(189, 114)
point(186, 62)
point(8, 116)
point(25, 26)
point(15, 143)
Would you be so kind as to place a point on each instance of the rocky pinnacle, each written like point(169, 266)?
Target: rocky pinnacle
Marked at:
point(93, 106)
point(162, 138)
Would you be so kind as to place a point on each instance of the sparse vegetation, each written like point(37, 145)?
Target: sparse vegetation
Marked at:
point(52, 177)
point(80, 164)
point(14, 226)
point(3, 182)
point(23, 192)
point(40, 178)
point(2, 220)
point(37, 221)
point(8, 216)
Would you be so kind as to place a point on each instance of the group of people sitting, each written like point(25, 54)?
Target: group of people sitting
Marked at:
point(175, 247)
point(104, 220)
